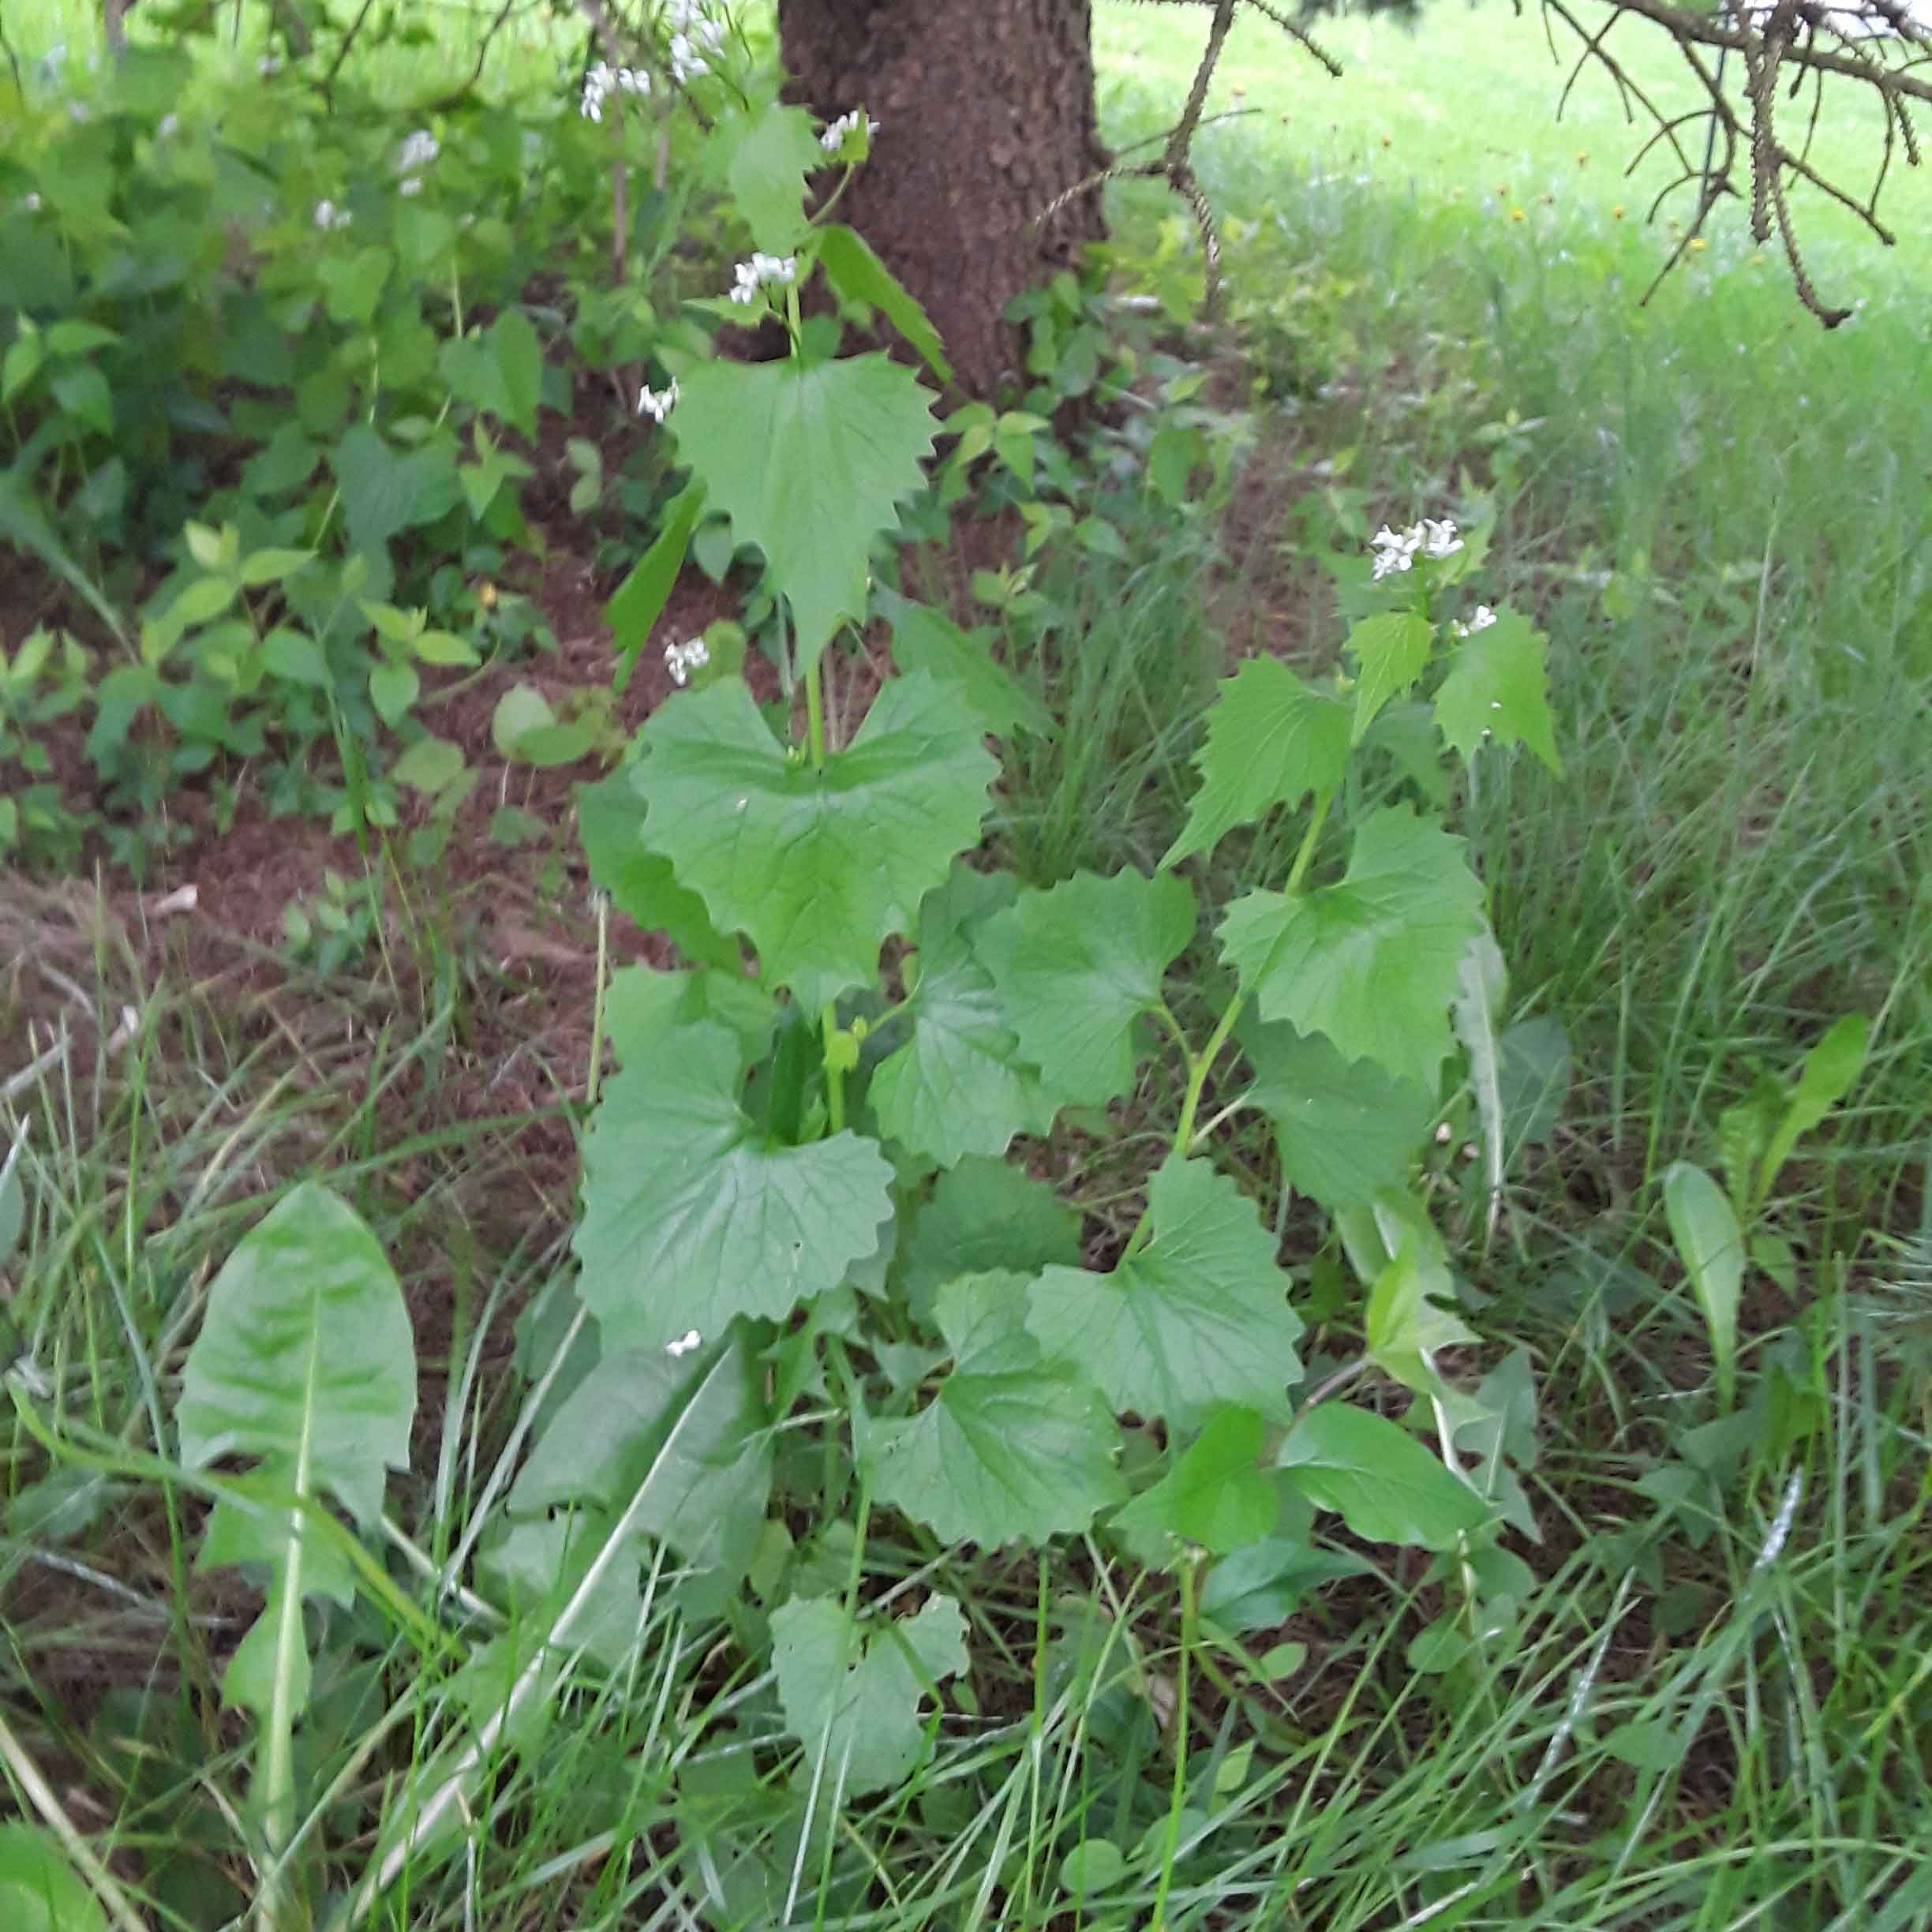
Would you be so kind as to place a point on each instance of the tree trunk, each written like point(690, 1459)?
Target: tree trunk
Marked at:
point(986, 115)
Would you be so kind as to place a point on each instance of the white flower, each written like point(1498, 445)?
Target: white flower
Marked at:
point(750, 276)
point(685, 1343)
point(328, 215)
point(168, 124)
point(413, 156)
point(687, 62)
point(1481, 620)
point(682, 660)
point(31, 202)
point(835, 136)
point(600, 81)
point(658, 403)
point(1394, 550)
point(1442, 539)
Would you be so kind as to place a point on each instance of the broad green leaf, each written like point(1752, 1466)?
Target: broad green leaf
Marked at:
point(393, 688)
point(383, 493)
point(638, 601)
point(809, 461)
point(599, 1551)
point(530, 1568)
point(39, 1891)
point(1498, 690)
point(1199, 1316)
point(1262, 1585)
point(1371, 962)
point(692, 1216)
point(519, 362)
point(817, 866)
point(1217, 1495)
point(1012, 1448)
point(1343, 1128)
point(1391, 651)
point(1711, 1245)
point(1405, 1324)
point(771, 155)
point(687, 1446)
point(853, 1700)
point(1078, 967)
point(306, 1364)
point(925, 639)
point(610, 827)
point(1534, 1077)
point(645, 1010)
point(428, 765)
point(1273, 739)
point(860, 276)
point(1378, 1478)
point(1094, 1865)
point(956, 1087)
point(985, 1216)
point(1477, 1011)
point(1830, 1069)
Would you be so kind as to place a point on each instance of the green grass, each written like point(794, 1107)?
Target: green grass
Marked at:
point(1721, 517)
point(1717, 509)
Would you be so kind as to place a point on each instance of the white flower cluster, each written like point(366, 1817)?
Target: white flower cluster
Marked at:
point(1481, 620)
point(603, 80)
point(834, 137)
point(682, 660)
point(1396, 550)
point(328, 215)
point(658, 403)
point(693, 36)
point(413, 156)
point(750, 276)
point(685, 1343)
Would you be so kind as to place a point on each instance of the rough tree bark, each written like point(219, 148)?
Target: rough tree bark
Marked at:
point(986, 114)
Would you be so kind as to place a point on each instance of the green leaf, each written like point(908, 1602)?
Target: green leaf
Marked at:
point(818, 866)
point(24, 358)
point(1830, 1069)
point(1405, 1325)
point(769, 160)
point(384, 494)
point(393, 690)
point(1371, 962)
point(956, 1087)
point(1711, 1245)
point(1261, 1586)
point(1094, 1865)
point(519, 364)
point(610, 827)
point(809, 461)
point(1078, 966)
point(305, 1362)
point(1343, 1128)
point(84, 392)
point(1012, 1448)
point(1378, 1478)
point(1477, 1012)
point(639, 600)
point(925, 639)
point(692, 1216)
point(860, 276)
point(428, 765)
point(39, 1891)
point(1533, 1080)
point(853, 1700)
point(1199, 1316)
point(1217, 1495)
point(1498, 689)
point(23, 525)
point(1272, 740)
point(985, 1217)
point(1391, 651)
point(689, 1447)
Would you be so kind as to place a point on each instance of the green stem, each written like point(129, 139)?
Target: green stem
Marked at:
point(814, 715)
point(835, 1077)
point(1305, 857)
point(1177, 1797)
